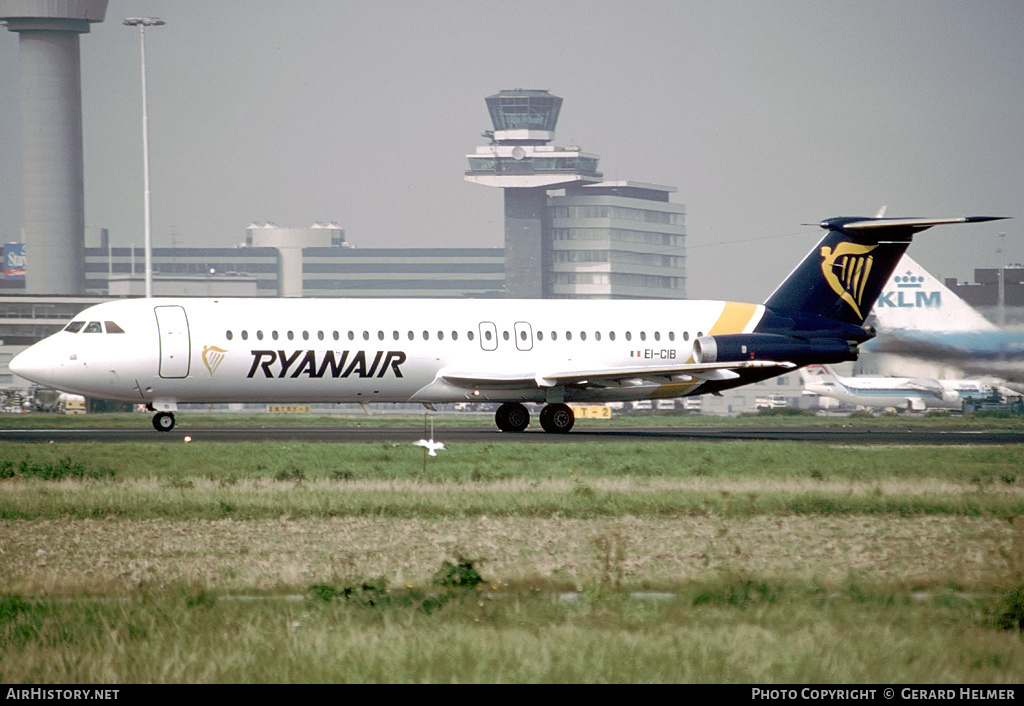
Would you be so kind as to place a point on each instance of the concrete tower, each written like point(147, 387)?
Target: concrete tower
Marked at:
point(522, 162)
point(51, 104)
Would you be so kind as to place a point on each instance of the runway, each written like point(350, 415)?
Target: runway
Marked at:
point(487, 434)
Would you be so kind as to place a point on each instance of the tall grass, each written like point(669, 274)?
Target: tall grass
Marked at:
point(802, 636)
point(978, 465)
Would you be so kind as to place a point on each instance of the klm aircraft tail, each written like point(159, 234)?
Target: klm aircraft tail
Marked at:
point(842, 277)
point(914, 300)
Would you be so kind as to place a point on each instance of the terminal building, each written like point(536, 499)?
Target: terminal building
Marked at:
point(297, 262)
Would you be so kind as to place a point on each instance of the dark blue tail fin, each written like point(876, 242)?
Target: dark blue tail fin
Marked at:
point(842, 277)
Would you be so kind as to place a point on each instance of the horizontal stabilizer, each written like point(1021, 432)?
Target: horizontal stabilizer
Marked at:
point(902, 225)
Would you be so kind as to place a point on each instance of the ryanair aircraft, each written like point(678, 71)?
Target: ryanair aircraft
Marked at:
point(162, 352)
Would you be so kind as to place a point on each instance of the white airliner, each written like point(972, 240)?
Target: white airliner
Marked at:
point(912, 394)
point(164, 352)
point(918, 316)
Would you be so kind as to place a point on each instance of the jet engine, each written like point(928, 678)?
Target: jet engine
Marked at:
point(730, 348)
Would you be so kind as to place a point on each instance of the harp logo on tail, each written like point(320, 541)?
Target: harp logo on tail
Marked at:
point(212, 357)
point(846, 269)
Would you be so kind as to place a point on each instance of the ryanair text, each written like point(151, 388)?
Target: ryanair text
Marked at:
point(318, 364)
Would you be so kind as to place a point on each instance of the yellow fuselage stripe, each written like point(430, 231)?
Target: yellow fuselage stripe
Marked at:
point(735, 318)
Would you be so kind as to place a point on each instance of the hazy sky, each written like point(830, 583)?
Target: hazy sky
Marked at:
point(764, 115)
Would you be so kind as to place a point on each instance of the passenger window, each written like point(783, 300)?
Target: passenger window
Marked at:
point(643, 335)
point(597, 335)
point(305, 335)
point(320, 335)
point(504, 334)
point(337, 336)
point(455, 335)
point(411, 335)
point(440, 335)
point(229, 335)
point(394, 334)
point(380, 335)
point(611, 335)
point(657, 335)
point(686, 335)
point(540, 335)
point(291, 335)
point(426, 335)
point(74, 326)
point(568, 335)
point(245, 335)
point(554, 335)
point(94, 327)
point(629, 335)
point(259, 335)
point(273, 334)
point(583, 335)
point(469, 334)
point(366, 335)
point(112, 327)
point(671, 335)
point(351, 335)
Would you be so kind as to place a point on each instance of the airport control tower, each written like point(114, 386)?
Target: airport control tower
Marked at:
point(522, 162)
point(51, 105)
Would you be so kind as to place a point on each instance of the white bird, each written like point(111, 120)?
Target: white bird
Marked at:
point(432, 446)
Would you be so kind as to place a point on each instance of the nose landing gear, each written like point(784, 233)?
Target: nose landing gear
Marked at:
point(163, 421)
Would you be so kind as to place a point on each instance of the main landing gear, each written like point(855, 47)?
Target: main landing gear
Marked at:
point(554, 418)
point(163, 421)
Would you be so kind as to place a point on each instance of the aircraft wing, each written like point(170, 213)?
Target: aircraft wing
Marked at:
point(925, 385)
point(604, 377)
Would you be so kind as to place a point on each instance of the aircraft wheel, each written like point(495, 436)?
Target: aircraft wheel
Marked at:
point(163, 421)
point(557, 418)
point(512, 416)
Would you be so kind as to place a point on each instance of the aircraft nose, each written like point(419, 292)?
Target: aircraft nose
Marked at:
point(20, 365)
point(34, 364)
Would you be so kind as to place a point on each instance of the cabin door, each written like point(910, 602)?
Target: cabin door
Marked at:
point(524, 336)
point(488, 336)
point(174, 341)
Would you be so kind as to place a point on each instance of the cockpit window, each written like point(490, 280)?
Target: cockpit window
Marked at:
point(93, 327)
point(112, 327)
point(74, 326)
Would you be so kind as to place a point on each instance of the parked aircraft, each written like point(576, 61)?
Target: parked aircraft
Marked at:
point(912, 394)
point(163, 352)
point(918, 316)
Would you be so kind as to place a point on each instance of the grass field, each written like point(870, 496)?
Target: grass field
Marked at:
point(743, 562)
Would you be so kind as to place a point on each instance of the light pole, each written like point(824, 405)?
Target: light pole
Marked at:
point(142, 23)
